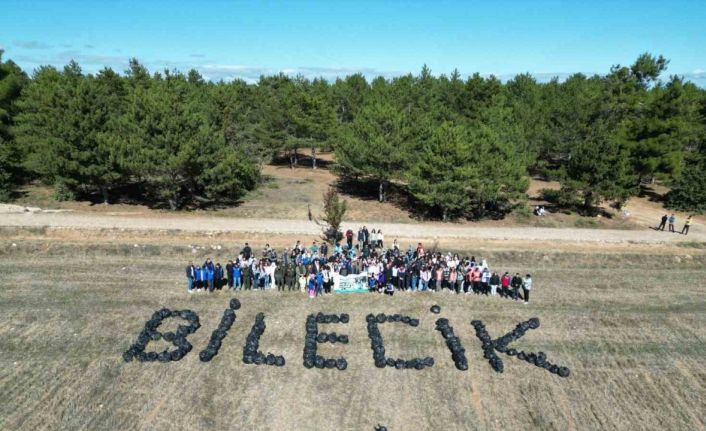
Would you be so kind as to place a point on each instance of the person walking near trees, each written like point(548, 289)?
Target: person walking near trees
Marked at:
point(687, 224)
point(672, 220)
point(663, 222)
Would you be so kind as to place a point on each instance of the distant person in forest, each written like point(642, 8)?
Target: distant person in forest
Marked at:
point(687, 224)
point(663, 222)
point(672, 220)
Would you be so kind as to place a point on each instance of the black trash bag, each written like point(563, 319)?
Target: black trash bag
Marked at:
point(141, 356)
point(428, 361)
point(205, 356)
point(341, 364)
point(462, 365)
point(176, 355)
point(320, 317)
point(399, 364)
point(319, 362)
point(533, 323)
point(511, 352)
point(345, 318)
point(151, 356)
point(380, 428)
point(322, 337)
point(406, 319)
point(343, 338)
point(279, 361)
point(127, 356)
point(335, 318)
point(380, 363)
point(414, 322)
point(390, 362)
point(259, 359)
point(309, 362)
point(419, 365)
point(554, 369)
point(332, 337)
point(234, 304)
point(522, 356)
point(380, 318)
point(564, 372)
point(370, 318)
point(435, 309)
point(330, 363)
point(248, 359)
point(270, 359)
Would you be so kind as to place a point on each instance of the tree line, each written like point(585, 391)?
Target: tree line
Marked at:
point(456, 147)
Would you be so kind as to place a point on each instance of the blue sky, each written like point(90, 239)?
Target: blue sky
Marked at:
point(226, 39)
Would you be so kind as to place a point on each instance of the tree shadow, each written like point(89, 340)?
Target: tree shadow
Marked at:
point(651, 195)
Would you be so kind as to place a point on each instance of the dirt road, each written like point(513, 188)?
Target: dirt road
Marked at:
point(390, 230)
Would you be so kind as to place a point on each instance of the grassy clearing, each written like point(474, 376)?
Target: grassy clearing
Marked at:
point(631, 328)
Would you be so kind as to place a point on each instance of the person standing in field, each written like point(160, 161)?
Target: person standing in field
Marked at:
point(237, 283)
point(505, 284)
point(460, 275)
point(687, 224)
point(663, 222)
point(485, 281)
point(672, 220)
point(229, 274)
point(516, 283)
point(190, 276)
point(301, 276)
point(381, 239)
point(526, 288)
point(246, 270)
point(349, 238)
point(218, 276)
point(494, 283)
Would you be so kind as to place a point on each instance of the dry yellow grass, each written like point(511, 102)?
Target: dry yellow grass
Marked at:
point(630, 327)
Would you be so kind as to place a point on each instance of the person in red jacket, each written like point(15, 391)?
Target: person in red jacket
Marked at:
point(505, 284)
point(349, 239)
point(475, 279)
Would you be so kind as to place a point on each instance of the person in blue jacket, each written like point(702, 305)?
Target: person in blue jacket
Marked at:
point(190, 276)
point(236, 276)
point(319, 282)
point(209, 276)
point(201, 279)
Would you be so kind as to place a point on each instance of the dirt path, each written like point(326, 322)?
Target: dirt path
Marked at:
point(302, 227)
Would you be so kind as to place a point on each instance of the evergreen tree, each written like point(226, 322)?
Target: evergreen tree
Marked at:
point(688, 192)
point(373, 146)
point(12, 80)
point(599, 168)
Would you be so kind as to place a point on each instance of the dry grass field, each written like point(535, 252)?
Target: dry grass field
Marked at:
point(631, 326)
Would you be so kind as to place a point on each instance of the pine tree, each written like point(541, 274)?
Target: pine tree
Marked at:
point(688, 192)
point(374, 146)
point(12, 80)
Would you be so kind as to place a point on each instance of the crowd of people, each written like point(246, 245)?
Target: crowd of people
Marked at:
point(672, 221)
point(318, 269)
